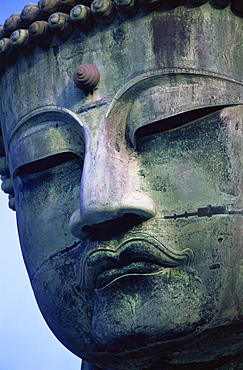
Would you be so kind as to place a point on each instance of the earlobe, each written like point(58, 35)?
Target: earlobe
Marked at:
point(87, 366)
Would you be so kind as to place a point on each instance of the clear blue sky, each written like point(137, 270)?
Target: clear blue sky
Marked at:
point(26, 343)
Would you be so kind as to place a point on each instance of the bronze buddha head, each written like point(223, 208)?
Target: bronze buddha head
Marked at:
point(128, 193)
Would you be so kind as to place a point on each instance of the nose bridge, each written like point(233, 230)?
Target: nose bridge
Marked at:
point(105, 174)
point(110, 185)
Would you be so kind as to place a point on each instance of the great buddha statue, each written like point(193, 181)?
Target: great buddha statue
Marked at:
point(121, 152)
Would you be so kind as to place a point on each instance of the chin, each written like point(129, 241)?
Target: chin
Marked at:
point(138, 312)
point(133, 316)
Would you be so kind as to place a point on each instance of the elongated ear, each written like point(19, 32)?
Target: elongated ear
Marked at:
point(6, 185)
point(2, 150)
point(87, 366)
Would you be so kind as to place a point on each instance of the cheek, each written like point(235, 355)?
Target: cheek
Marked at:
point(179, 185)
point(193, 166)
point(44, 205)
point(66, 312)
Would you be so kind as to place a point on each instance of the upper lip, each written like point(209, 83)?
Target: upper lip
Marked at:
point(140, 249)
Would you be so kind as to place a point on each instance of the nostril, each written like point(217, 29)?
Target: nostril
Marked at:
point(129, 215)
point(112, 228)
point(132, 217)
point(87, 229)
point(103, 221)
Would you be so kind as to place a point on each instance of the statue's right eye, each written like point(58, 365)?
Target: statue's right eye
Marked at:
point(45, 163)
point(44, 146)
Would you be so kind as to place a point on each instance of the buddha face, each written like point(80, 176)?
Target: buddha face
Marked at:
point(122, 248)
point(130, 214)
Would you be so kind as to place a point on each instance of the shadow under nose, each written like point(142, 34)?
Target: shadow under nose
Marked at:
point(112, 228)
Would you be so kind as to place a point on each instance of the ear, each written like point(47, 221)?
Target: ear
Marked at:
point(87, 366)
point(6, 185)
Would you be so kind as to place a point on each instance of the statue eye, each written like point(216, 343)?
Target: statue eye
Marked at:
point(174, 122)
point(44, 146)
point(45, 163)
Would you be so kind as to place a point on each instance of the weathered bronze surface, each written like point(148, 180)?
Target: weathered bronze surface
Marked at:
point(129, 196)
point(63, 14)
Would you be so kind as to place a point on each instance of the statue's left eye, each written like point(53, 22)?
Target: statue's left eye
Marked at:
point(174, 122)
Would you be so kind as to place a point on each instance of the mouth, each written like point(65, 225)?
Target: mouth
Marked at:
point(140, 255)
point(112, 275)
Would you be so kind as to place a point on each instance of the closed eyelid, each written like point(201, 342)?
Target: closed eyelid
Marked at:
point(174, 122)
point(44, 148)
point(45, 164)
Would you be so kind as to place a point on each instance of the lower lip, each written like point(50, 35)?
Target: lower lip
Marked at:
point(110, 276)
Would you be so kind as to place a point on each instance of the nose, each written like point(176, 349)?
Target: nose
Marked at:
point(111, 200)
point(109, 219)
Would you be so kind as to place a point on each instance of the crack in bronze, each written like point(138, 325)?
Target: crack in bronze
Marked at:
point(207, 211)
point(53, 256)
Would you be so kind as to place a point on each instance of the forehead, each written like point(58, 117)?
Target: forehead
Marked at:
point(183, 58)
